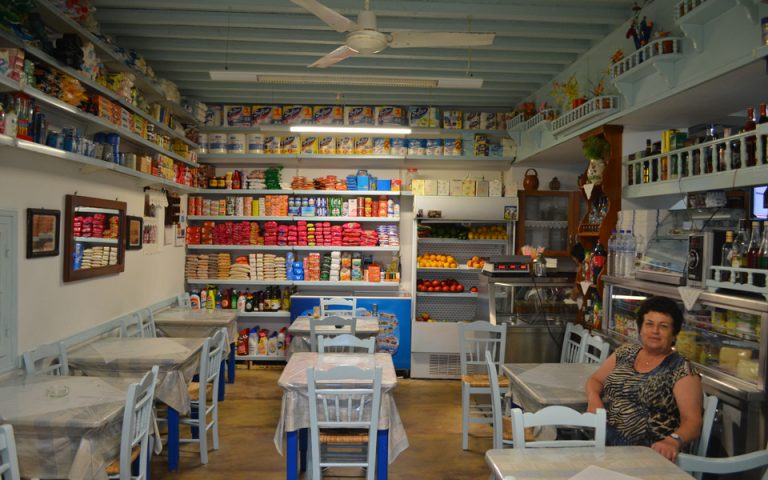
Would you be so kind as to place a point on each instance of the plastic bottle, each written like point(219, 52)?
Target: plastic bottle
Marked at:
point(281, 342)
point(630, 251)
point(11, 121)
point(612, 253)
point(620, 239)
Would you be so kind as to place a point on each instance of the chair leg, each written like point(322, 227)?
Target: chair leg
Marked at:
point(231, 363)
point(303, 439)
point(202, 419)
point(464, 416)
point(215, 427)
point(173, 439)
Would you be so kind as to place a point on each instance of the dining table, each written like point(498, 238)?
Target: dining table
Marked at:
point(294, 412)
point(178, 359)
point(201, 322)
point(365, 327)
point(582, 463)
point(65, 426)
point(538, 385)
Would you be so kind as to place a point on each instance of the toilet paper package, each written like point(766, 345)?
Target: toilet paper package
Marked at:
point(363, 146)
point(214, 116)
point(423, 117)
point(297, 115)
point(397, 146)
point(358, 115)
point(271, 145)
point(452, 146)
point(309, 145)
point(452, 119)
point(238, 115)
point(416, 146)
point(290, 144)
point(266, 115)
point(381, 146)
point(326, 145)
point(389, 115)
point(489, 121)
point(472, 120)
point(328, 115)
point(345, 146)
point(254, 143)
point(217, 143)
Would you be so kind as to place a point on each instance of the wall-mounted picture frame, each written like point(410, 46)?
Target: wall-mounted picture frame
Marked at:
point(43, 228)
point(135, 233)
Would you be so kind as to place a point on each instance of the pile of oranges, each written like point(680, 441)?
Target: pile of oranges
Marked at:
point(475, 262)
point(436, 260)
point(490, 232)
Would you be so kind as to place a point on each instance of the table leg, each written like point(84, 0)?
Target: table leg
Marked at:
point(173, 439)
point(221, 381)
point(303, 436)
point(231, 363)
point(291, 449)
point(382, 454)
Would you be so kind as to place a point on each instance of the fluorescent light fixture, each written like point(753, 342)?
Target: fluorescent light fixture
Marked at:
point(331, 129)
point(629, 297)
point(331, 79)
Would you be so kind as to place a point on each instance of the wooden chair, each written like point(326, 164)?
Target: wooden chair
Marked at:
point(137, 425)
point(343, 415)
point(572, 342)
point(344, 343)
point(49, 359)
point(721, 466)
point(501, 436)
point(338, 324)
point(594, 349)
point(558, 415)
point(475, 339)
point(9, 460)
point(205, 399)
point(340, 306)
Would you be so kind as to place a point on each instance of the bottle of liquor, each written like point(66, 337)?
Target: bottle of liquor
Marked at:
point(722, 152)
point(598, 261)
point(726, 256)
point(762, 261)
point(753, 247)
point(735, 153)
point(708, 156)
point(751, 141)
point(739, 252)
point(763, 138)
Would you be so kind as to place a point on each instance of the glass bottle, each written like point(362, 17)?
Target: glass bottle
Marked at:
point(708, 157)
point(753, 247)
point(725, 257)
point(735, 153)
point(751, 141)
point(762, 262)
point(763, 138)
point(738, 253)
point(598, 261)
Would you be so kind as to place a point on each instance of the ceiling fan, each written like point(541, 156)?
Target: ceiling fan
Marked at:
point(364, 39)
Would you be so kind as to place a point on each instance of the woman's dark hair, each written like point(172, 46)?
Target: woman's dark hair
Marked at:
point(661, 305)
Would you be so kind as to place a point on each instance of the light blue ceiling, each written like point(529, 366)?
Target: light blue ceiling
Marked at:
point(184, 39)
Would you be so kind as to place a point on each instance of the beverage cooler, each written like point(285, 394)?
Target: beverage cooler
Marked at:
point(725, 337)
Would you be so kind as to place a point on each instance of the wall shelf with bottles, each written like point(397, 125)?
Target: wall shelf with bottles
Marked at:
point(706, 166)
point(754, 279)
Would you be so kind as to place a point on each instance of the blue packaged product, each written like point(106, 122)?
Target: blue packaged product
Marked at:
point(398, 146)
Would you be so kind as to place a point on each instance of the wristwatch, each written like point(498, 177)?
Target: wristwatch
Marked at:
point(677, 437)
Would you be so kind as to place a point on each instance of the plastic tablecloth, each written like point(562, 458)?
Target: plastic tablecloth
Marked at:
point(537, 385)
point(185, 322)
point(564, 463)
point(178, 359)
point(365, 327)
point(294, 413)
point(75, 435)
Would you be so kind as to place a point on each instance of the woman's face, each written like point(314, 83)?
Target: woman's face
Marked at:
point(657, 332)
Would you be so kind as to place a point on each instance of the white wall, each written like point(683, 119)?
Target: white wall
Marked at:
point(50, 309)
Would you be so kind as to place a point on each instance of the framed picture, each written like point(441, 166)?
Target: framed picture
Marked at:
point(133, 241)
point(510, 212)
point(43, 228)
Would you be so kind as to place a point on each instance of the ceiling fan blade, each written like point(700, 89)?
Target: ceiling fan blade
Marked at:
point(334, 19)
point(439, 39)
point(334, 57)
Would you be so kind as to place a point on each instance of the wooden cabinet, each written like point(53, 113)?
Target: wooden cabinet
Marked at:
point(549, 219)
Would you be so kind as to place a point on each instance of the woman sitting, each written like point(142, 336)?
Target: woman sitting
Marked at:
point(651, 394)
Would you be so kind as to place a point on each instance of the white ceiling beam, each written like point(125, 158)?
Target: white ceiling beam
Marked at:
point(242, 86)
point(339, 98)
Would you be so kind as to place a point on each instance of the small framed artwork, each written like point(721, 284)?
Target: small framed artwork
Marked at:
point(43, 228)
point(135, 233)
point(510, 212)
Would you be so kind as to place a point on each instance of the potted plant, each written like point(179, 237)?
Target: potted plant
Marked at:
point(568, 93)
point(595, 149)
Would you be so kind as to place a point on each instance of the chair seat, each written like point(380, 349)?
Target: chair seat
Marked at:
point(506, 423)
point(114, 467)
point(343, 435)
point(194, 391)
point(479, 380)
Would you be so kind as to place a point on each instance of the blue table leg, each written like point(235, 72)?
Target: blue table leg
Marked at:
point(291, 449)
point(173, 439)
point(231, 363)
point(303, 436)
point(221, 381)
point(382, 454)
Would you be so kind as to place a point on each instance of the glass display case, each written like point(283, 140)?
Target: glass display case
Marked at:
point(548, 219)
point(666, 257)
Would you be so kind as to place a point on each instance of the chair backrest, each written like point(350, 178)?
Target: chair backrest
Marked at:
point(49, 359)
point(558, 415)
point(700, 446)
point(721, 466)
point(345, 343)
point(594, 349)
point(137, 423)
point(131, 325)
point(9, 460)
point(477, 338)
point(344, 397)
point(147, 323)
point(572, 341)
point(340, 325)
point(210, 361)
point(493, 377)
point(341, 306)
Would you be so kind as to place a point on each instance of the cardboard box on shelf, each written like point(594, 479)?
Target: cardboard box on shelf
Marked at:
point(443, 187)
point(417, 186)
point(468, 187)
point(494, 188)
point(482, 188)
point(430, 187)
point(456, 188)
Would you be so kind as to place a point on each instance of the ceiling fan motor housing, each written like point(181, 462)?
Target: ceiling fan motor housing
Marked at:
point(367, 42)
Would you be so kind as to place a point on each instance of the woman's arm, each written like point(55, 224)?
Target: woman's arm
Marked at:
point(688, 397)
point(594, 386)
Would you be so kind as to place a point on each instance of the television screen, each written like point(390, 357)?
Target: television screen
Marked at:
point(759, 205)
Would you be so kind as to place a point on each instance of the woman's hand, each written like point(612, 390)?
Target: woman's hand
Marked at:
point(595, 403)
point(669, 448)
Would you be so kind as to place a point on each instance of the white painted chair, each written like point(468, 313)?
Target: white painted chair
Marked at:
point(345, 343)
point(700, 446)
point(501, 437)
point(475, 339)
point(338, 326)
point(572, 342)
point(49, 359)
point(594, 349)
point(147, 323)
point(183, 300)
point(558, 415)
point(343, 418)
point(9, 460)
point(204, 394)
point(341, 306)
point(721, 466)
point(131, 325)
point(137, 426)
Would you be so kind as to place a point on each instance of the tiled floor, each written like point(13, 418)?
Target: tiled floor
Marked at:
point(430, 410)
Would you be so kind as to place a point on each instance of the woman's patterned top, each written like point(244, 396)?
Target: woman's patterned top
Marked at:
point(640, 406)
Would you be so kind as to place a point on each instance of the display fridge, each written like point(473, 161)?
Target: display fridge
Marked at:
point(725, 338)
